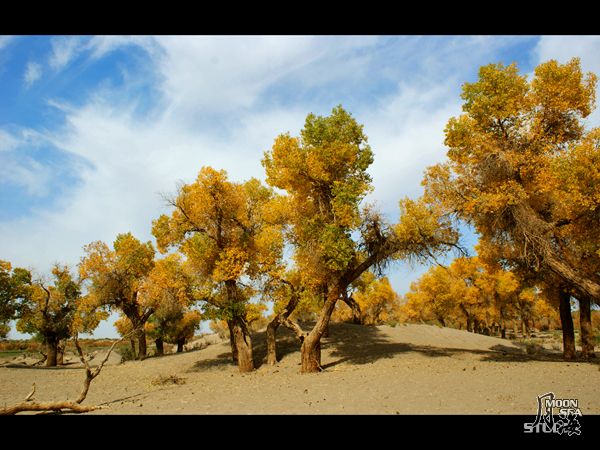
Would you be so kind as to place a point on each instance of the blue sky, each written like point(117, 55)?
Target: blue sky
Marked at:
point(93, 129)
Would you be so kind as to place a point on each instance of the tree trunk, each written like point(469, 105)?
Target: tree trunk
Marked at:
point(60, 352)
point(585, 285)
point(566, 321)
point(133, 353)
point(234, 351)
point(326, 331)
point(282, 318)
point(142, 344)
point(355, 307)
point(525, 328)
point(272, 341)
point(160, 348)
point(180, 344)
point(243, 342)
point(311, 355)
point(585, 326)
point(515, 327)
point(52, 350)
point(503, 329)
point(311, 347)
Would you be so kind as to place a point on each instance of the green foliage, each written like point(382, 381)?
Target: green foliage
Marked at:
point(50, 310)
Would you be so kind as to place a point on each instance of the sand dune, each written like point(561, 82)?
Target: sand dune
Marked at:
point(408, 369)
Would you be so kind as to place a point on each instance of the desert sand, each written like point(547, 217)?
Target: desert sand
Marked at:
point(407, 369)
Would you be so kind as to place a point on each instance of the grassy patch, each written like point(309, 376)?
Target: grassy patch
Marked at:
point(165, 380)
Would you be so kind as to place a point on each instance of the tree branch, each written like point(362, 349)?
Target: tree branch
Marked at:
point(69, 406)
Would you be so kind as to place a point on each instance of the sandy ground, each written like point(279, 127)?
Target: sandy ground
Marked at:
point(408, 369)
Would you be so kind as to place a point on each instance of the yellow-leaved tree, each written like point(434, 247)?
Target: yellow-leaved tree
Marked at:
point(55, 310)
point(522, 169)
point(219, 226)
point(169, 290)
point(115, 277)
point(324, 172)
point(376, 302)
point(13, 287)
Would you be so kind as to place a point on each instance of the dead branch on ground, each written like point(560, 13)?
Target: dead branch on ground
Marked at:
point(66, 406)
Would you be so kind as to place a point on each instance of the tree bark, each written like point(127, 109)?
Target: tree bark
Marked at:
point(585, 285)
point(133, 352)
point(60, 352)
point(311, 347)
point(279, 319)
point(272, 341)
point(52, 351)
point(49, 406)
point(234, 351)
point(180, 344)
point(160, 348)
point(243, 342)
point(585, 326)
point(311, 355)
point(142, 343)
point(355, 308)
point(566, 321)
point(525, 325)
point(468, 317)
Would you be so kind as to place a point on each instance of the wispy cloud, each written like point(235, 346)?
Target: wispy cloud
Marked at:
point(5, 40)
point(33, 72)
point(221, 101)
point(7, 141)
point(17, 165)
point(64, 50)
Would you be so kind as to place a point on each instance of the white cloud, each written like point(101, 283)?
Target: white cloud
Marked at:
point(221, 73)
point(33, 72)
point(7, 141)
point(64, 50)
point(407, 135)
point(21, 169)
point(28, 173)
point(125, 160)
point(100, 46)
point(563, 48)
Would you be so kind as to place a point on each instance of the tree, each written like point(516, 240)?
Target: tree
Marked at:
point(324, 172)
point(115, 277)
point(485, 297)
point(12, 290)
point(219, 226)
point(376, 302)
point(50, 309)
point(507, 157)
point(179, 332)
point(168, 289)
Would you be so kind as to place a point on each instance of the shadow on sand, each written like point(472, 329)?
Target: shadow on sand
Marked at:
point(359, 344)
point(286, 343)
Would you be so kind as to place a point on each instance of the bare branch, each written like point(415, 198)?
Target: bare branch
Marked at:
point(30, 395)
point(52, 406)
point(69, 406)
